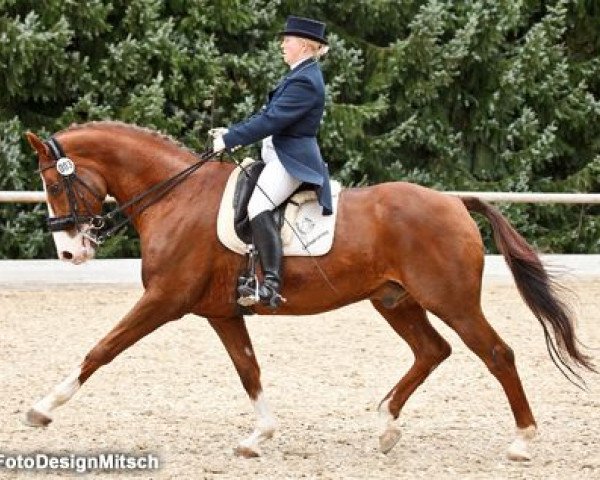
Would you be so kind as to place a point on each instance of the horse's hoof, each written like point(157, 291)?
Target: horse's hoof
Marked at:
point(518, 452)
point(519, 448)
point(246, 452)
point(33, 418)
point(388, 439)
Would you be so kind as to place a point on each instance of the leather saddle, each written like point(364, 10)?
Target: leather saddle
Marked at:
point(243, 191)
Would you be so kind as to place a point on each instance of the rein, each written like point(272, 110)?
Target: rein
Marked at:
point(155, 193)
point(95, 223)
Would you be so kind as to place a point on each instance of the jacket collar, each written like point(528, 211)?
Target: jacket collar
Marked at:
point(299, 62)
point(303, 64)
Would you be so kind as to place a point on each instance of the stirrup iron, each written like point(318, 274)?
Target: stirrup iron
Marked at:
point(247, 286)
point(248, 291)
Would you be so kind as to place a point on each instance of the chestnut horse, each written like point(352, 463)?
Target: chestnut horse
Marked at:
point(406, 248)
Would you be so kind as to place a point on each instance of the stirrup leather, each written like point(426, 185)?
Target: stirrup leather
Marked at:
point(247, 284)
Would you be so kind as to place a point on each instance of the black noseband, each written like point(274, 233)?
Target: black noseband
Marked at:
point(58, 224)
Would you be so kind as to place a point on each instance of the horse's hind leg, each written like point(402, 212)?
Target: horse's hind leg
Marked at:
point(150, 312)
point(235, 338)
point(475, 331)
point(409, 320)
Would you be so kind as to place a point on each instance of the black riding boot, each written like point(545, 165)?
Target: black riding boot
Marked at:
point(268, 244)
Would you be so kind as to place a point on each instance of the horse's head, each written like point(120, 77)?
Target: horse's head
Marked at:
point(74, 194)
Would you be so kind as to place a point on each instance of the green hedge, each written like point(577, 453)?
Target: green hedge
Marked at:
point(479, 95)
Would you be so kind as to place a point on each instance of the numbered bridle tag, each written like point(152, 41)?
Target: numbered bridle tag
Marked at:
point(65, 166)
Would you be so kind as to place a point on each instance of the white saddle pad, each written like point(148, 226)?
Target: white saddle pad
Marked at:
point(305, 230)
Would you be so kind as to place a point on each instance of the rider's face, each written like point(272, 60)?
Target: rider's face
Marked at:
point(293, 48)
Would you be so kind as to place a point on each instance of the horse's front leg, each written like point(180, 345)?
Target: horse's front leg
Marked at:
point(235, 338)
point(150, 312)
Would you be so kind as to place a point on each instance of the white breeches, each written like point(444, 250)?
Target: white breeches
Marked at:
point(274, 184)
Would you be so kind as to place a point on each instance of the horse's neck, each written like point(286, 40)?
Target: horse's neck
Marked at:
point(130, 168)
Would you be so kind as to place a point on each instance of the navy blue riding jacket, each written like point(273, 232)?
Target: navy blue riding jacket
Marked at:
point(292, 116)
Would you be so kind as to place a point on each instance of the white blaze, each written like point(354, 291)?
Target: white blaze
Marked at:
point(72, 247)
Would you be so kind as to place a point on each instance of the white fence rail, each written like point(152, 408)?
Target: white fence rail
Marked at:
point(28, 197)
point(508, 197)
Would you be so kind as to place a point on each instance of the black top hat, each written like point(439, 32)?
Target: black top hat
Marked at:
point(305, 28)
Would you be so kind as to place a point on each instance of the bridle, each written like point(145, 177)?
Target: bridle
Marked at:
point(68, 182)
point(94, 227)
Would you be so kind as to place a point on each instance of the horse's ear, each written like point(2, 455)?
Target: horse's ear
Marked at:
point(36, 143)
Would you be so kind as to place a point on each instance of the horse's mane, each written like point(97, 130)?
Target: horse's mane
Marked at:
point(127, 126)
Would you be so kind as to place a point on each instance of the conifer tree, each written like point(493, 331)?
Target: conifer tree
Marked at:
point(479, 95)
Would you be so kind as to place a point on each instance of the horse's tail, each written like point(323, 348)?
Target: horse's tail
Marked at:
point(539, 290)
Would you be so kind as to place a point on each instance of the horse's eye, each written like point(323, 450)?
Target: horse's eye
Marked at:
point(54, 189)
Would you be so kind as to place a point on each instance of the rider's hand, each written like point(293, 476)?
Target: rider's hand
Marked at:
point(218, 144)
point(217, 132)
point(217, 136)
